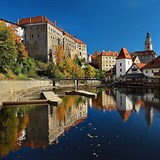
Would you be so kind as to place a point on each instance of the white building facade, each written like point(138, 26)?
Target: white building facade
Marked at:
point(123, 63)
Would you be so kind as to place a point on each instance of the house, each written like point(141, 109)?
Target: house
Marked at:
point(123, 63)
point(135, 72)
point(111, 74)
point(152, 69)
point(124, 105)
point(107, 60)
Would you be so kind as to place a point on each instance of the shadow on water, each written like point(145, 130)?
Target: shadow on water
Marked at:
point(118, 123)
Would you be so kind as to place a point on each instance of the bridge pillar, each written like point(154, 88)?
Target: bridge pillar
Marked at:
point(54, 83)
point(76, 83)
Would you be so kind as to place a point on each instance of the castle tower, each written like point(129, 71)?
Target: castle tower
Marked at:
point(123, 62)
point(148, 43)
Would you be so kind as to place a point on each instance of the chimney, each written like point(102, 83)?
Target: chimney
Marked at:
point(54, 23)
point(29, 20)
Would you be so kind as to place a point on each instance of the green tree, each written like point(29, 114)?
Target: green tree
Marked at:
point(8, 52)
point(89, 71)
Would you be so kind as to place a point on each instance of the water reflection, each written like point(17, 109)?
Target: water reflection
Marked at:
point(39, 126)
point(126, 103)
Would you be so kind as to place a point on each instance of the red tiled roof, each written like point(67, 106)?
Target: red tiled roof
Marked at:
point(144, 53)
point(38, 19)
point(153, 64)
point(140, 65)
point(125, 115)
point(75, 39)
point(109, 53)
point(123, 54)
point(69, 35)
point(44, 19)
point(78, 41)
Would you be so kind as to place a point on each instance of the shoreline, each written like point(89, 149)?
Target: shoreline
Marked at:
point(18, 95)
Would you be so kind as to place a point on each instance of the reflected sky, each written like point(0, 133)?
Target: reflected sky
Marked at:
point(118, 124)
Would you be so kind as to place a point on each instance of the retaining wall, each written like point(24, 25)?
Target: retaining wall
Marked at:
point(9, 89)
point(15, 86)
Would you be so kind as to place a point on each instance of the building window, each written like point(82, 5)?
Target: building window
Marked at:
point(146, 71)
point(134, 69)
point(152, 71)
point(120, 64)
point(120, 70)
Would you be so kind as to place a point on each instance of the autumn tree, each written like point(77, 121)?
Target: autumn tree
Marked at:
point(8, 51)
point(89, 71)
point(59, 54)
point(95, 54)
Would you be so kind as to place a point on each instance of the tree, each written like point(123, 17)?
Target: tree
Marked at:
point(8, 52)
point(95, 54)
point(59, 54)
point(89, 71)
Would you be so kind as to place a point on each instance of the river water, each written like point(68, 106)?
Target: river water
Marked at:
point(117, 124)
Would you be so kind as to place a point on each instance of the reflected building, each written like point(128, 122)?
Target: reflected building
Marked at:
point(108, 100)
point(105, 101)
point(124, 105)
point(151, 97)
point(46, 124)
point(149, 115)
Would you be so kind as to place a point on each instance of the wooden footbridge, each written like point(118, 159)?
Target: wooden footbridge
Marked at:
point(76, 80)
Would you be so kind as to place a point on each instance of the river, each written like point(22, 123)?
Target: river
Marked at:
point(117, 124)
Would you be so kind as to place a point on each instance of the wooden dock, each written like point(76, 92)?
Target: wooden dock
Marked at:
point(82, 93)
point(41, 101)
point(48, 98)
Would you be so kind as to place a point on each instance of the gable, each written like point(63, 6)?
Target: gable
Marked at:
point(133, 69)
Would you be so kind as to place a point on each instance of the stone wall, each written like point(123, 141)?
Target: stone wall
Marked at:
point(14, 86)
point(10, 90)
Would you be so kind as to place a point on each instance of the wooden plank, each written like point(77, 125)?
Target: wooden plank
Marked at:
point(51, 97)
point(42, 101)
point(81, 92)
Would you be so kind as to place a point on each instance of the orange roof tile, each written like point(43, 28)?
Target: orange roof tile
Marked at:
point(69, 35)
point(144, 53)
point(78, 41)
point(153, 64)
point(44, 19)
point(38, 19)
point(140, 65)
point(109, 53)
point(125, 115)
point(123, 54)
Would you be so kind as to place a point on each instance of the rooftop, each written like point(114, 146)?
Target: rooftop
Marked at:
point(142, 53)
point(44, 19)
point(153, 64)
point(123, 54)
point(109, 53)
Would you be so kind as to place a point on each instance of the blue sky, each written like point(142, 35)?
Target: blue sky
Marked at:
point(101, 24)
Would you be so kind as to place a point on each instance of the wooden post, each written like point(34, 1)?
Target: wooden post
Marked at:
point(76, 84)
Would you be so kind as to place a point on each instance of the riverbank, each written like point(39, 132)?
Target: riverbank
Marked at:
point(18, 90)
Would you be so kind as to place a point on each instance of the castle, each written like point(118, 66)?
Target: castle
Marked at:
point(42, 36)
